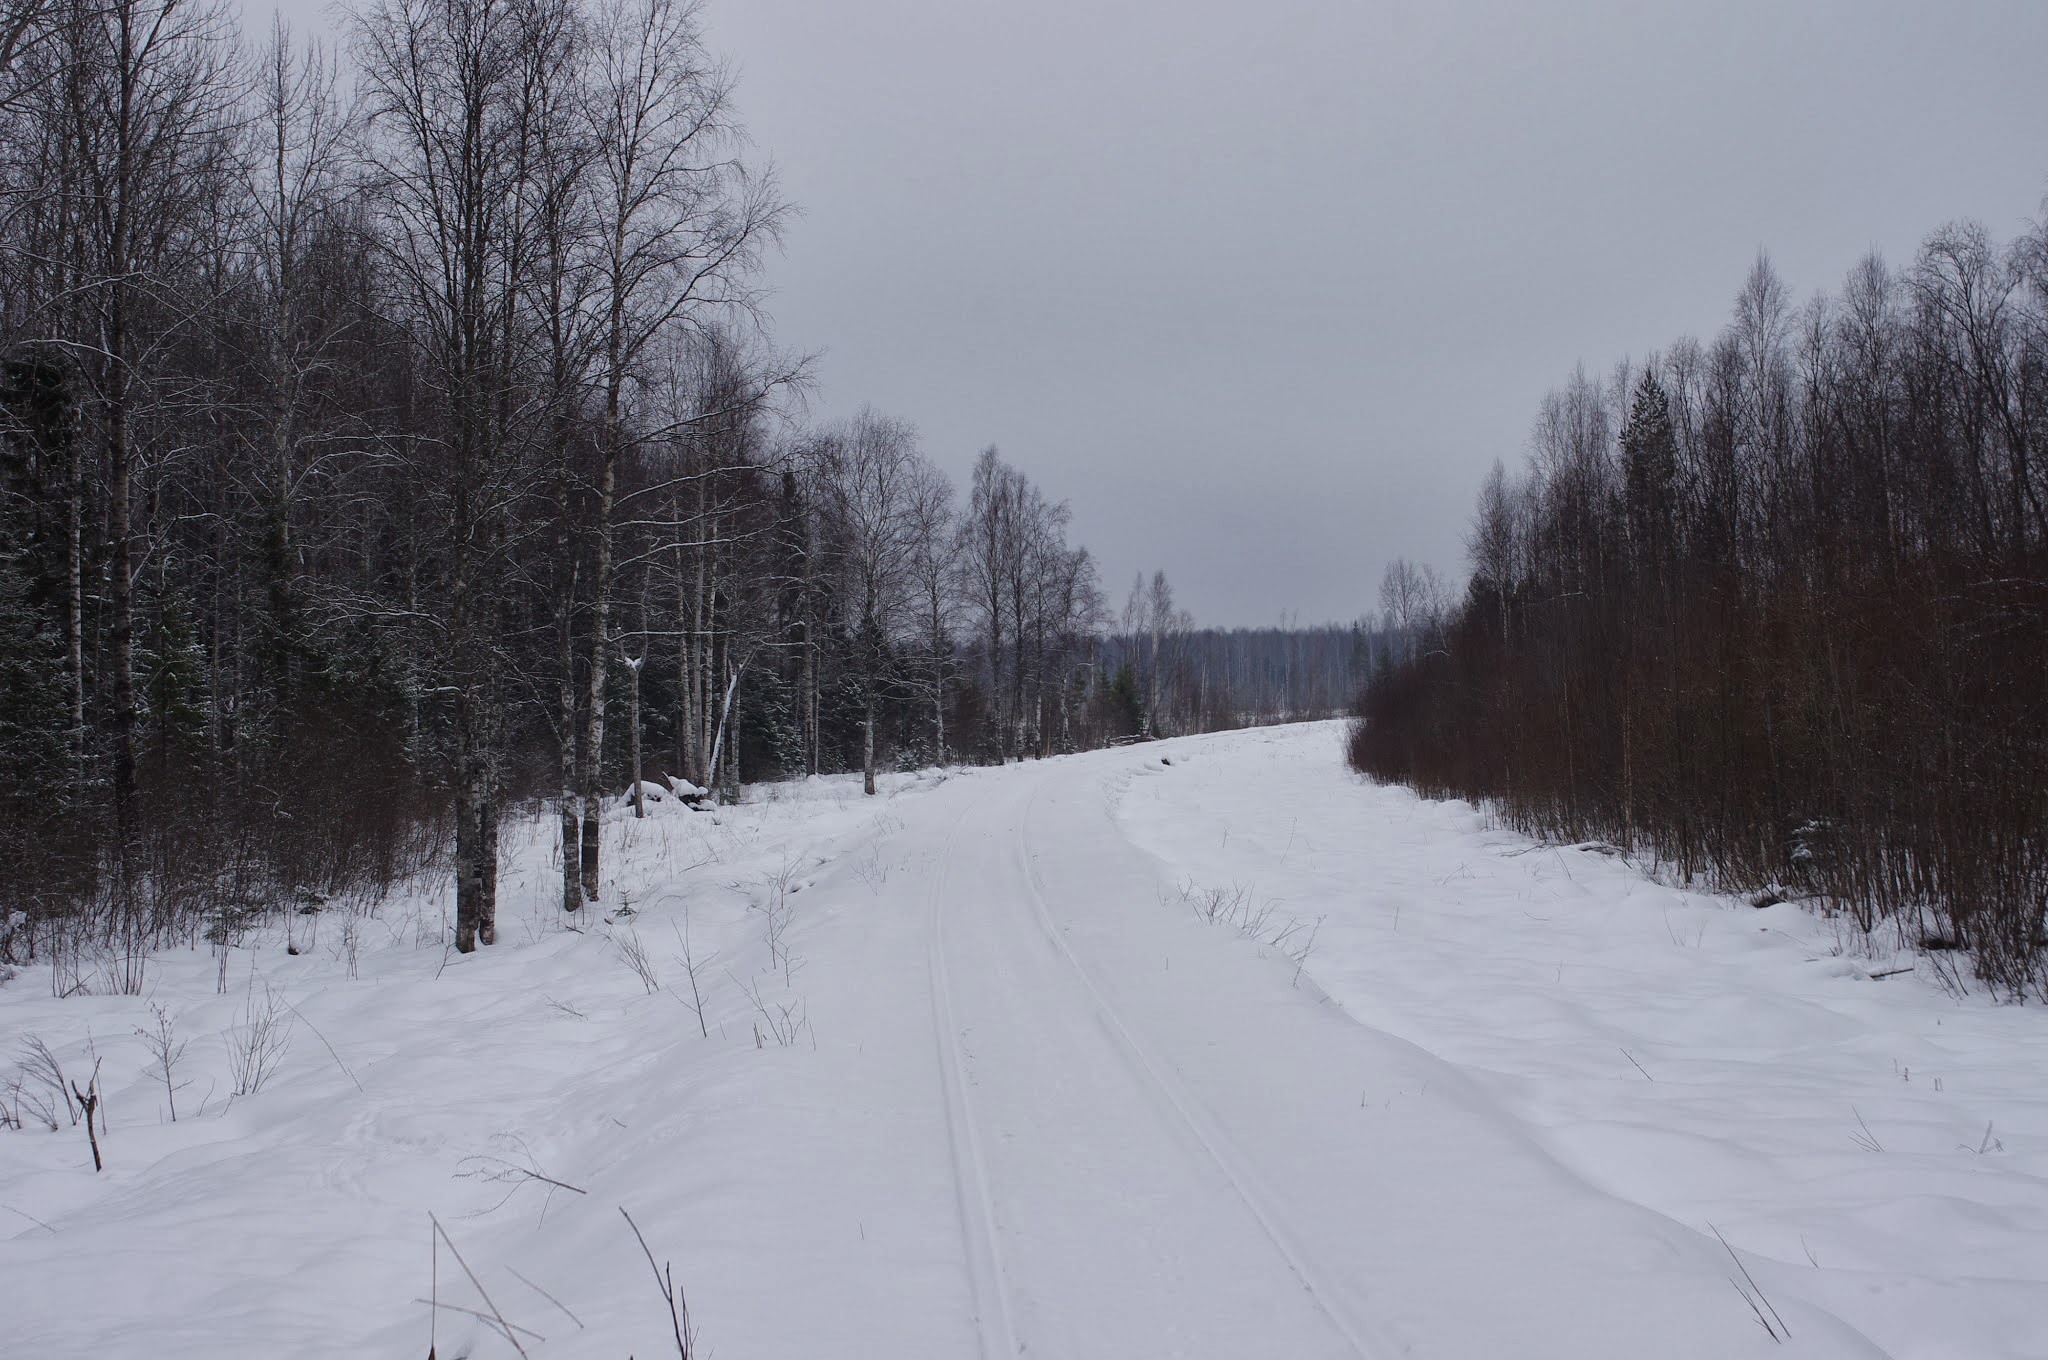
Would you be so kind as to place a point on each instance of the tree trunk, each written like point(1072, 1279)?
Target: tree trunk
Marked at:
point(1152, 683)
point(471, 881)
point(867, 739)
point(633, 741)
point(594, 711)
point(995, 675)
point(487, 817)
point(121, 594)
point(686, 671)
point(565, 722)
point(938, 679)
point(74, 620)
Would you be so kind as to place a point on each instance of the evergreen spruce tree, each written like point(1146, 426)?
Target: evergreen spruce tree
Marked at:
point(1649, 465)
point(1126, 704)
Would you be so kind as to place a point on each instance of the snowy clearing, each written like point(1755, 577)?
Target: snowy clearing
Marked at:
point(1203, 1048)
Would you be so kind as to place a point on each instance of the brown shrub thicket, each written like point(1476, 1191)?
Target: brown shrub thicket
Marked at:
point(1773, 611)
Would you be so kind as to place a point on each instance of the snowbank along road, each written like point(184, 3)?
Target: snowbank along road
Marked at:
point(1197, 1049)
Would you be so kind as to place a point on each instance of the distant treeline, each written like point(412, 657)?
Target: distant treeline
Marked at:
point(1773, 610)
point(1213, 679)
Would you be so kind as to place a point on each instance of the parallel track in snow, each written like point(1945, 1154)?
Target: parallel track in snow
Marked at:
point(1366, 1341)
point(994, 1315)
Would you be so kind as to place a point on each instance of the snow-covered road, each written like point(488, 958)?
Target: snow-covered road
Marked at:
point(1040, 1062)
point(1170, 1145)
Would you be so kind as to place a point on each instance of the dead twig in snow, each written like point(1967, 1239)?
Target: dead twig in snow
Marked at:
point(505, 1328)
point(665, 1281)
point(1753, 1294)
point(89, 1101)
point(549, 1297)
point(258, 1044)
point(786, 1020)
point(634, 951)
point(165, 1049)
point(324, 1044)
point(1985, 1144)
point(486, 1319)
point(691, 965)
point(40, 1065)
point(504, 1171)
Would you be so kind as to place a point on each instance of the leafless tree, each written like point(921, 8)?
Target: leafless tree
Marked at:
point(991, 546)
point(934, 579)
point(873, 474)
point(150, 98)
point(453, 89)
point(682, 223)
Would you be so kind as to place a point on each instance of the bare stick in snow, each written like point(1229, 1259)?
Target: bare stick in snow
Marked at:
point(323, 1042)
point(549, 1297)
point(89, 1101)
point(1753, 1295)
point(691, 965)
point(665, 1281)
point(484, 1318)
point(505, 1328)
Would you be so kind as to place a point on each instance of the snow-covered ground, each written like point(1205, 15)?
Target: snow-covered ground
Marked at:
point(1037, 1061)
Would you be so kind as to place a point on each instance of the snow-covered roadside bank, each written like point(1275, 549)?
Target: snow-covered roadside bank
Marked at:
point(294, 1220)
point(1875, 1146)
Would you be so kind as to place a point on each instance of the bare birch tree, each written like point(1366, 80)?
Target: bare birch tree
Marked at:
point(452, 87)
point(683, 223)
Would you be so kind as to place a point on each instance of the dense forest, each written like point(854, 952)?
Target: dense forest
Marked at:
point(393, 440)
point(1772, 611)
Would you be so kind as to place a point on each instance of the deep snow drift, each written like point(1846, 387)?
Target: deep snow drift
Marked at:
point(1203, 1048)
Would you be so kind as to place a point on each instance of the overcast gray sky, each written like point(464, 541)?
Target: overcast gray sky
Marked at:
point(1263, 289)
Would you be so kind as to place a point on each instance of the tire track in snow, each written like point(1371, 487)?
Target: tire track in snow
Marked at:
point(1366, 1341)
point(994, 1318)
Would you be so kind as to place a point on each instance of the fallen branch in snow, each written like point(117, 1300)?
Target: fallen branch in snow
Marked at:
point(1638, 1066)
point(504, 1171)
